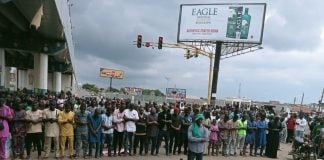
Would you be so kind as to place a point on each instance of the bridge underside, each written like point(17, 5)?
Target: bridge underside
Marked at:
point(34, 49)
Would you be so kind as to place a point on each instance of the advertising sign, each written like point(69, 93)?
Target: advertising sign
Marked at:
point(111, 73)
point(175, 93)
point(134, 91)
point(242, 22)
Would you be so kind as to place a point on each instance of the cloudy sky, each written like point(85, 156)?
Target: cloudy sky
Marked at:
point(292, 61)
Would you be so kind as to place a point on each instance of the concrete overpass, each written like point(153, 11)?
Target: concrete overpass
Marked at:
point(36, 46)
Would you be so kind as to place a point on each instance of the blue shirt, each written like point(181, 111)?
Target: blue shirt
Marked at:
point(251, 124)
point(262, 125)
point(94, 122)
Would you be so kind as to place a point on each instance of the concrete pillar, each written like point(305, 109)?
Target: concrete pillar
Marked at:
point(57, 82)
point(10, 78)
point(22, 79)
point(2, 68)
point(30, 79)
point(50, 82)
point(14, 78)
point(66, 82)
point(73, 85)
point(7, 78)
point(40, 73)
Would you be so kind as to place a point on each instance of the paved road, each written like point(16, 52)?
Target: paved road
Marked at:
point(282, 155)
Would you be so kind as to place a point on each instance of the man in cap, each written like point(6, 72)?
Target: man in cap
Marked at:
point(81, 134)
point(242, 124)
point(175, 131)
point(164, 121)
point(66, 123)
point(197, 136)
point(51, 128)
point(186, 122)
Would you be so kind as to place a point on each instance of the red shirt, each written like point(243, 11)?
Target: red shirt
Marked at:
point(291, 122)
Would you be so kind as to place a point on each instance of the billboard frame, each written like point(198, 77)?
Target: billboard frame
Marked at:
point(166, 93)
point(246, 42)
point(114, 77)
point(135, 88)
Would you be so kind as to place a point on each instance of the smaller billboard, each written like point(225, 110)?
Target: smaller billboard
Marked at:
point(111, 73)
point(134, 91)
point(176, 93)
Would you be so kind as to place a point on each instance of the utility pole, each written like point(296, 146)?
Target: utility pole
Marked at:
point(110, 84)
point(167, 86)
point(239, 91)
point(321, 101)
point(322, 95)
point(218, 52)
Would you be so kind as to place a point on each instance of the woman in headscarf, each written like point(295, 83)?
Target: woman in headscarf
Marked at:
point(274, 128)
point(197, 136)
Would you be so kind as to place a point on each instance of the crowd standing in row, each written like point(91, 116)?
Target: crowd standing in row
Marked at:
point(126, 129)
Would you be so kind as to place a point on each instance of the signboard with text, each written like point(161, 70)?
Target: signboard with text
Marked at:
point(241, 22)
point(111, 73)
point(134, 91)
point(176, 93)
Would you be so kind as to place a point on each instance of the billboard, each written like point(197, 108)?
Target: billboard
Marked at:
point(134, 91)
point(175, 93)
point(111, 73)
point(241, 22)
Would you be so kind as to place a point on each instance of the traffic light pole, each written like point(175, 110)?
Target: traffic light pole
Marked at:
point(210, 77)
point(110, 84)
point(218, 53)
point(201, 49)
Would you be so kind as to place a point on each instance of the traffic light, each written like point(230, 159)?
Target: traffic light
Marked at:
point(196, 53)
point(187, 55)
point(160, 42)
point(139, 41)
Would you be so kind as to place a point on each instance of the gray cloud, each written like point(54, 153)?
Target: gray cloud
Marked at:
point(294, 25)
point(107, 29)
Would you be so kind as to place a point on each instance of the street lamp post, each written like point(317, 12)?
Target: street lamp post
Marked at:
point(210, 56)
point(167, 79)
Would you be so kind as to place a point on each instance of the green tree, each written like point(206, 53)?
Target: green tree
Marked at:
point(112, 89)
point(90, 87)
point(122, 90)
point(156, 92)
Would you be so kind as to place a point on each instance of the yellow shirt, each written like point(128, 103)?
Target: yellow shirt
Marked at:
point(66, 129)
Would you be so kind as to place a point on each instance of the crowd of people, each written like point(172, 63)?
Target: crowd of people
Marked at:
point(88, 127)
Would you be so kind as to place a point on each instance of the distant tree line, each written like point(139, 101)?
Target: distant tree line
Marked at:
point(94, 89)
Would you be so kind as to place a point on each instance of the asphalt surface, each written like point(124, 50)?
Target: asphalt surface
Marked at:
point(282, 155)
